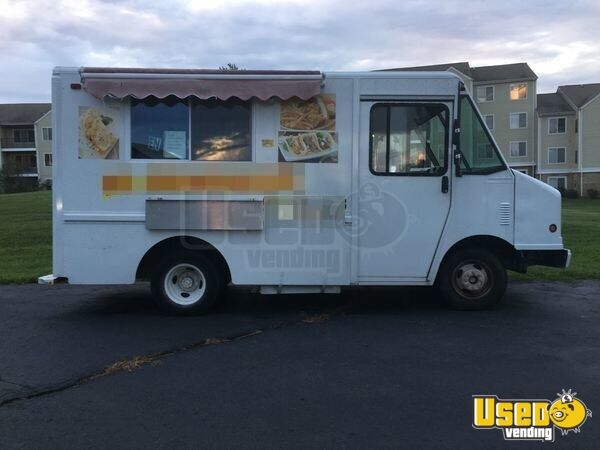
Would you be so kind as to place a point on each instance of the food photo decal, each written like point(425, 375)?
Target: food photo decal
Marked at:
point(307, 130)
point(97, 139)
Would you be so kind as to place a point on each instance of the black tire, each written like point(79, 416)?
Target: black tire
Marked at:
point(471, 279)
point(179, 298)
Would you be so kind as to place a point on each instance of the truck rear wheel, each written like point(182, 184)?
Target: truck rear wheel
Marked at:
point(186, 283)
point(472, 279)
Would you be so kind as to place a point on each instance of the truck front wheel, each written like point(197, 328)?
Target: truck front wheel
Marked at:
point(186, 283)
point(472, 279)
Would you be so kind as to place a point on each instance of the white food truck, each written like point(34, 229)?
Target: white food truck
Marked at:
point(287, 182)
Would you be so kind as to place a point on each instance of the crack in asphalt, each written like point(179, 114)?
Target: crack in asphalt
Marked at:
point(139, 361)
point(24, 386)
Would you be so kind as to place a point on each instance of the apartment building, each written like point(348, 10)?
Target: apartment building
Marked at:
point(19, 140)
point(569, 137)
point(506, 96)
point(43, 146)
point(558, 146)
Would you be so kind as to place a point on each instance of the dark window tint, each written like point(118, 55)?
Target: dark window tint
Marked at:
point(221, 131)
point(159, 128)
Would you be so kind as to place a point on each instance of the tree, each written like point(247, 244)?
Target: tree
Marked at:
point(229, 66)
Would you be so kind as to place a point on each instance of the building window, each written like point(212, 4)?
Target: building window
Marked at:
point(47, 133)
point(23, 135)
point(556, 155)
point(48, 159)
point(559, 183)
point(557, 125)
point(518, 91)
point(518, 149)
point(576, 156)
point(518, 120)
point(408, 139)
point(485, 93)
point(489, 121)
point(485, 151)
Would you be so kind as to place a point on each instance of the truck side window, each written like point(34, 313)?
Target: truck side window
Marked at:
point(159, 128)
point(408, 139)
point(221, 130)
point(479, 154)
point(217, 130)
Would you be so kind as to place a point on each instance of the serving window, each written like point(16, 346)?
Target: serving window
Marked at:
point(221, 130)
point(200, 130)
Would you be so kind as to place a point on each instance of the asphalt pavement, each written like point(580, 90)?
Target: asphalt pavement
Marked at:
point(100, 367)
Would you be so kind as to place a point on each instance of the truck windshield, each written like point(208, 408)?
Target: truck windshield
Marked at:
point(479, 154)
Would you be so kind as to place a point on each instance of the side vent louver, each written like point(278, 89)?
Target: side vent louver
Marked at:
point(505, 213)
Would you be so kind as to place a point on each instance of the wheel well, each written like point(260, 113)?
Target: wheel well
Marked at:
point(178, 243)
point(509, 257)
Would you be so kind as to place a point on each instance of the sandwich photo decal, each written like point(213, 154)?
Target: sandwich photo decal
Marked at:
point(307, 130)
point(97, 135)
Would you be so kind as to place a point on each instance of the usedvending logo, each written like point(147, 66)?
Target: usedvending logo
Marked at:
point(530, 420)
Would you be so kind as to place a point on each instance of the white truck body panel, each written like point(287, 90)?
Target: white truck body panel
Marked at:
point(311, 236)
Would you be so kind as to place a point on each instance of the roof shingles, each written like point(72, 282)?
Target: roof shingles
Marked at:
point(498, 73)
point(580, 94)
point(552, 104)
point(22, 113)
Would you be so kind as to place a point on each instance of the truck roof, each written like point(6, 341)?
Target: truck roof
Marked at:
point(148, 72)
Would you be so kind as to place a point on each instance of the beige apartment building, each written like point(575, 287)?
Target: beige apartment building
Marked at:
point(506, 96)
point(19, 139)
point(43, 146)
point(569, 137)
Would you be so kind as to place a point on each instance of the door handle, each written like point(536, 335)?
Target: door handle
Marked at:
point(445, 184)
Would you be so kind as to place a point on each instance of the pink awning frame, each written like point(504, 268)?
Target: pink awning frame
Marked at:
point(202, 84)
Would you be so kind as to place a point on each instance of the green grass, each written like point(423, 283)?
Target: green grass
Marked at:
point(25, 236)
point(26, 242)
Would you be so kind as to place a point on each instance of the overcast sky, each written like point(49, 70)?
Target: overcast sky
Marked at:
point(559, 39)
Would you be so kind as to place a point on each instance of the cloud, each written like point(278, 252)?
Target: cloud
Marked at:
point(558, 39)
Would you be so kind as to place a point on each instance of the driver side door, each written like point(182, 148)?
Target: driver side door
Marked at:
point(404, 190)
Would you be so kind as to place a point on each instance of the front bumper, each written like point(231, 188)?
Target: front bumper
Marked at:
point(548, 258)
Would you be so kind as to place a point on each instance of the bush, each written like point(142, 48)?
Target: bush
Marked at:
point(46, 185)
point(11, 182)
point(592, 193)
point(571, 193)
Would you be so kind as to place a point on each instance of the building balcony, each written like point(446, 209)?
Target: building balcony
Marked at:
point(27, 172)
point(11, 144)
